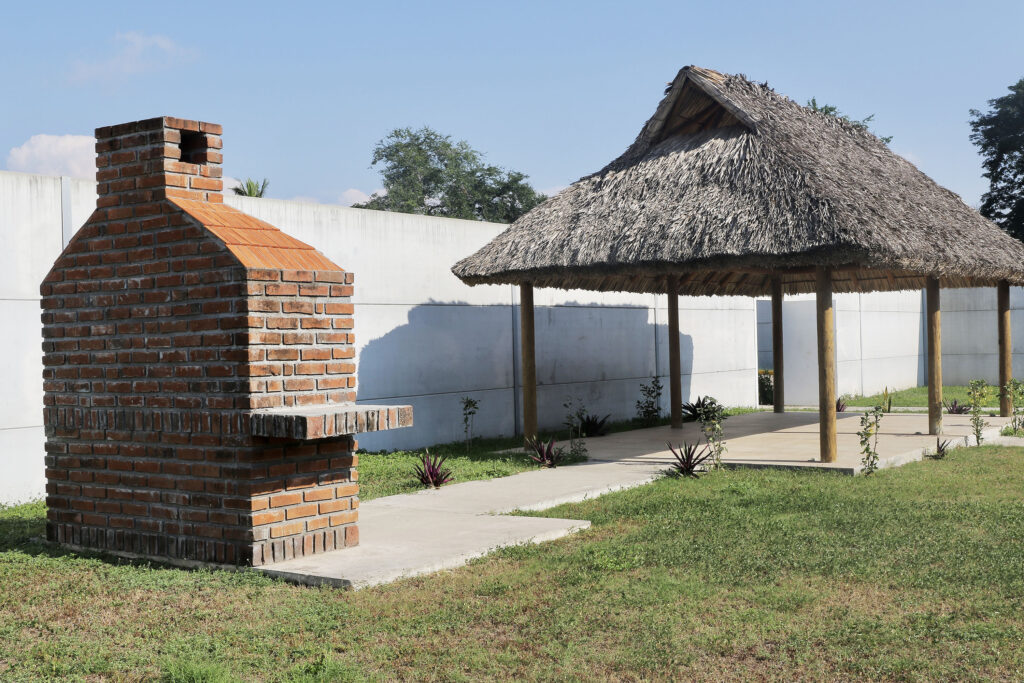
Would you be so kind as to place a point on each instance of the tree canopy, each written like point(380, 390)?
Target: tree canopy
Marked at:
point(427, 173)
point(832, 110)
point(999, 135)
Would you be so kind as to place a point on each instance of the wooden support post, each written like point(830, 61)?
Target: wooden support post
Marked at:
point(1005, 347)
point(934, 357)
point(826, 366)
point(675, 387)
point(778, 371)
point(529, 368)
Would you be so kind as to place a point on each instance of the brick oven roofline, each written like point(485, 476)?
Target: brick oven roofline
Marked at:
point(159, 122)
point(255, 243)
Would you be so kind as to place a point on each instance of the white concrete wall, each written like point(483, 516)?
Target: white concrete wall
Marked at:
point(423, 337)
point(879, 343)
point(970, 345)
point(426, 339)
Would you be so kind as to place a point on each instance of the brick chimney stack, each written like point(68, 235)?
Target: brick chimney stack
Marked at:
point(159, 158)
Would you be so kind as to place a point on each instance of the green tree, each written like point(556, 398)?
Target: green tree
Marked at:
point(427, 173)
point(999, 134)
point(832, 110)
point(251, 188)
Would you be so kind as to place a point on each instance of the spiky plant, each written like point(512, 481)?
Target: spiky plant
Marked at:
point(689, 459)
point(545, 455)
point(954, 407)
point(251, 188)
point(431, 471)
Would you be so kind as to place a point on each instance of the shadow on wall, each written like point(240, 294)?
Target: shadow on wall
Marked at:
point(432, 355)
point(922, 343)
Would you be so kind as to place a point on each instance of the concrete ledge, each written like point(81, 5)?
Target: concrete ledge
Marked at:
point(325, 421)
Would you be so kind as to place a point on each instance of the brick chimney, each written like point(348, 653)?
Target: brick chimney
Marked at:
point(158, 158)
point(199, 372)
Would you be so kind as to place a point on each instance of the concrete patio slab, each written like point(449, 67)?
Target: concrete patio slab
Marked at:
point(419, 533)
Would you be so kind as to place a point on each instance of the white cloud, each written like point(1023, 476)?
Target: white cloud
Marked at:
point(354, 196)
point(71, 155)
point(135, 53)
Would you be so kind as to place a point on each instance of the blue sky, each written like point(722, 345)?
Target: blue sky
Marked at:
point(553, 89)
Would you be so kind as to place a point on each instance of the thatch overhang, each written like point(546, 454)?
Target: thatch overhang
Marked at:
point(730, 184)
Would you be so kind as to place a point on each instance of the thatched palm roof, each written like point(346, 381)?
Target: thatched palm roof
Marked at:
point(729, 183)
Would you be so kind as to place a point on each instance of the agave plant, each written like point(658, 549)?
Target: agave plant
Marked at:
point(545, 455)
point(954, 407)
point(689, 458)
point(592, 425)
point(703, 409)
point(941, 449)
point(432, 472)
point(840, 405)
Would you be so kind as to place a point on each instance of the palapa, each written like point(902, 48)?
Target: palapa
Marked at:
point(730, 184)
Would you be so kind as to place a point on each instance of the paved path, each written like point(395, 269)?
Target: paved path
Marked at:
point(428, 531)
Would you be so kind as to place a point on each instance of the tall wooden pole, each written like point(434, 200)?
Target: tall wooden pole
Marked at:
point(675, 391)
point(778, 372)
point(529, 361)
point(826, 366)
point(1005, 347)
point(934, 357)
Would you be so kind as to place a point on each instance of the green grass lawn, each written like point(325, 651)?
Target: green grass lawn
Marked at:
point(918, 397)
point(912, 574)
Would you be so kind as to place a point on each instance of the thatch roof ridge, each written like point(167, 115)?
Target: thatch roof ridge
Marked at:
point(735, 180)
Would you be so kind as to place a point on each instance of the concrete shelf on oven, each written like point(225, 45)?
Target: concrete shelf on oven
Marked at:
point(325, 421)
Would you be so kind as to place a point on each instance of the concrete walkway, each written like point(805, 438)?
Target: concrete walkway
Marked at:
point(427, 531)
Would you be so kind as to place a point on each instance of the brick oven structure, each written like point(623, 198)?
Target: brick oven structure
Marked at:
point(199, 369)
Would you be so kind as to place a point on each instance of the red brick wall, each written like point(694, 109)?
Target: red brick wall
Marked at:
point(157, 342)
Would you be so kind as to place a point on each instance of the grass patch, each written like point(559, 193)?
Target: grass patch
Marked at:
point(914, 397)
point(915, 573)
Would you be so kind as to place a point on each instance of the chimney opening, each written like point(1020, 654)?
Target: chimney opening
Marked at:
point(193, 147)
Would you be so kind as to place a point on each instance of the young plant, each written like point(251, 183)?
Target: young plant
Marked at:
point(711, 414)
point(870, 423)
point(648, 408)
point(941, 450)
point(431, 471)
point(840, 405)
point(977, 395)
point(469, 408)
point(886, 401)
point(1014, 390)
point(574, 423)
point(592, 425)
point(545, 455)
point(765, 387)
point(689, 459)
point(954, 407)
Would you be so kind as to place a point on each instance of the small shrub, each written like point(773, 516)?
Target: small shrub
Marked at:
point(977, 395)
point(591, 425)
point(701, 409)
point(431, 471)
point(1014, 390)
point(711, 414)
point(574, 423)
point(765, 387)
point(840, 405)
point(941, 450)
point(648, 408)
point(469, 408)
point(544, 455)
point(954, 407)
point(689, 459)
point(870, 423)
point(886, 401)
